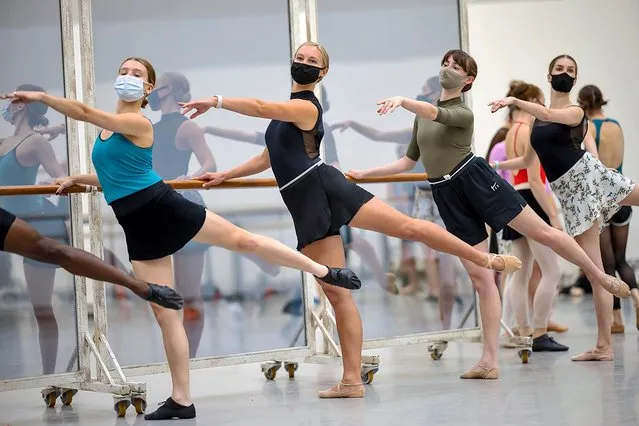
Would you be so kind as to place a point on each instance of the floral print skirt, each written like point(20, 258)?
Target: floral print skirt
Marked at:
point(590, 192)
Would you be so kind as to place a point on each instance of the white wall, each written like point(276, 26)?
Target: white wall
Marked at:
point(513, 39)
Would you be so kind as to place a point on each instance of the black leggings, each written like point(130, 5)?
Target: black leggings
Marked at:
point(613, 243)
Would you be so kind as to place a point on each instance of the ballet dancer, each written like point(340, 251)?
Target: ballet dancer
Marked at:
point(321, 200)
point(470, 194)
point(531, 185)
point(587, 191)
point(157, 221)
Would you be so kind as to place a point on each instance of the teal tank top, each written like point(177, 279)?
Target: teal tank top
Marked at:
point(598, 122)
point(14, 173)
point(123, 168)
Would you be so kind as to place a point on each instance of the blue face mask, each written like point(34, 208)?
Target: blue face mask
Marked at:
point(128, 88)
point(7, 114)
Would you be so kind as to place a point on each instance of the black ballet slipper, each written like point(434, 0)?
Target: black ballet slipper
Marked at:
point(342, 278)
point(164, 296)
point(170, 409)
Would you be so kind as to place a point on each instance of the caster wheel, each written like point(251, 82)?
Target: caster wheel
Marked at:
point(524, 354)
point(270, 373)
point(368, 373)
point(139, 404)
point(49, 399)
point(49, 395)
point(121, 406)
point(270, 369)
point(67, 396)
point(291, 368)
point(367, 378)
point(437, 350)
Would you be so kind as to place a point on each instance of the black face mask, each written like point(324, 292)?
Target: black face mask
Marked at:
point(562, 82)
point(304, 74)
point(154, 98)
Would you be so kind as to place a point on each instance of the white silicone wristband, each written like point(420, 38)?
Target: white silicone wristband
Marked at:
point(219, 101)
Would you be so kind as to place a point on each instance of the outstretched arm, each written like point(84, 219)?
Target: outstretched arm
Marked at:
point(253, 166)
point(589, 141)
point(455, 115)
point(53, 131)
point(402, 165)
point(131, 124)
point(393, 136)
point(523, 162)
point(539, 190)
point(254, 138)
point(570, 116)
point(300, 112)
point(191, 135)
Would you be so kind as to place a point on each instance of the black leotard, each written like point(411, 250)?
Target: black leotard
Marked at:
point(294, 151)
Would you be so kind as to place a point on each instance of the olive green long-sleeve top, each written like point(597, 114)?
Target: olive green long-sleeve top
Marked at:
point(444, 142)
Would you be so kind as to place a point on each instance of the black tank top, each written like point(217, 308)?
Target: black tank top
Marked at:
point(558, 146)
point(168, 161)
point(293, 151)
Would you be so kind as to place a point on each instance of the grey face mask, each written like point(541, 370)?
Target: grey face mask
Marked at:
point(449, 79)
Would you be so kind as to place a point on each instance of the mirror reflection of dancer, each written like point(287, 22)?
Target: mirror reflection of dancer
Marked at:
point(176, 140)
point(321, 200)
point(403, 196)
point(157, 221)
point(470, 194)
point(586, 189)
point(416, 200)
point(352, 241)
point(609, 140)
point(21, 156)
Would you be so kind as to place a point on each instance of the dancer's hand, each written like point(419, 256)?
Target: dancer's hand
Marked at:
point(23, 96)
point(53, 131)
point(356, 174)
point(212, 178)
point(342, 125)
point(64, 182)
point(200, 106)
point(501, 103)
point(389, 105)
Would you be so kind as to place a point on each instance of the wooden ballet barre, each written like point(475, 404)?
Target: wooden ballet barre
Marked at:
point(270, 182)
point(197, 184)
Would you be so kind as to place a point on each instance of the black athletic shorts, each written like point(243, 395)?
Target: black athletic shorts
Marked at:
point(321, 203)
point(473, 195)
point(157, 221)
point(509, 233)
point(6, 220)
point(622, 217)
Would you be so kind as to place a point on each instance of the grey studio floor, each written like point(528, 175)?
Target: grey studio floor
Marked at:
point(409, 389)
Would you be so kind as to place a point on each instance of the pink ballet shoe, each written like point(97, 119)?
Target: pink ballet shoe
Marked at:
point(593, 355)
point(481, 373)
point(343, 390)
point(511, 263)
